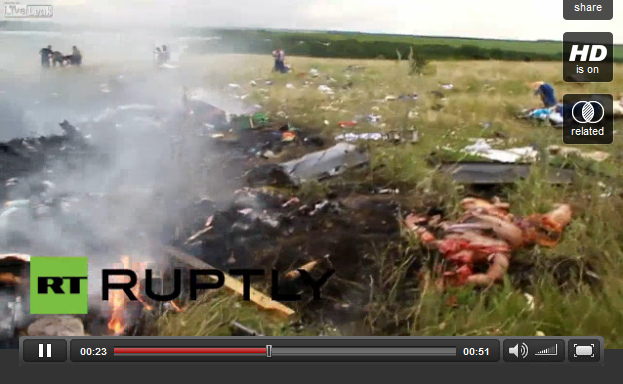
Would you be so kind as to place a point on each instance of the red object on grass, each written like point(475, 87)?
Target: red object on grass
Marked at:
point(343, 124)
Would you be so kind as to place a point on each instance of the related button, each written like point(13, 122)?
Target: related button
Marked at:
point(588, 9)
point(587, 57)
point(584, 350)
point(587, 118)
point(532, 351)
point(45, 350)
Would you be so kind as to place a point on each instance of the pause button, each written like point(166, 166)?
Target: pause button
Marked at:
point(44, 350)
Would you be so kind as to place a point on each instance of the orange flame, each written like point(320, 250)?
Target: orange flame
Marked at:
point(116, 324)
point(176, 307)
point(118, 302)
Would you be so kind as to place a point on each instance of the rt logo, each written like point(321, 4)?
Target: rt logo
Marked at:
point(58, 286)
point(597, 52)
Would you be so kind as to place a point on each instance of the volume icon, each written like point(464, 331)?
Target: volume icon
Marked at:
point(519, 350)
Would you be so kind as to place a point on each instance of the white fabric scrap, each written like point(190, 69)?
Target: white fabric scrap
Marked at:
point(512, 155)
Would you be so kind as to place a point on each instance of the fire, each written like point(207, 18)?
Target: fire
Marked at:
point(117, 323)
point(176, 307)
point(118, 302)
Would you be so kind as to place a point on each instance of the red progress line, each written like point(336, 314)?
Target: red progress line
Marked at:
point(122, 350)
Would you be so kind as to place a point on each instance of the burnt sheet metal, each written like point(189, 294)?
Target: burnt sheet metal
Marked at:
point(329, 162)
point(483, 173)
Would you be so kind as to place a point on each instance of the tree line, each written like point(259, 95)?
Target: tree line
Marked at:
point(300, 44)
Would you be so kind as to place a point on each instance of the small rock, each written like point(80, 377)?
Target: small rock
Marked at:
point(56, 326)
point(529, 301)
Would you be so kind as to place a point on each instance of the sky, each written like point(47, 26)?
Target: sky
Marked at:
point(522, 20)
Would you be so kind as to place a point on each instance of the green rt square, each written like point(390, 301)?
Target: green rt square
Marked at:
point(58, 286)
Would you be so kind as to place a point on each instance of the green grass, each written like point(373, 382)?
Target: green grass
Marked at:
point(401, 303)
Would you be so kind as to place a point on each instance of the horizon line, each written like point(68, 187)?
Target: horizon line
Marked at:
point(181, 27)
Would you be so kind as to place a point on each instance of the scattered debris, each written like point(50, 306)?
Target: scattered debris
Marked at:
point(257, 120)
point(330, 162)
point(598, 156)
point(316, 269)
point(484, 173)
point(344, 124)
point(447, 86)
point(529, 301)
point(538, 113)
point(240, 330)
point(377, 136)
point(511, 155)
point(373, 119)
point(231, 283)
point(412, 96)
point(325, 89)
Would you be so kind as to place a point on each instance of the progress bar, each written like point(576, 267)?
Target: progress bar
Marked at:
point(184, 351)
point(270, 351)
point(376, 351)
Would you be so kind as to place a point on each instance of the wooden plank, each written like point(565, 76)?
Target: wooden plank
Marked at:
point(232, 283)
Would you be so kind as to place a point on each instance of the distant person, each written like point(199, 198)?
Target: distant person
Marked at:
point(158, 55)
point(546, 92)
point(76, 56)
point(46, 54)
point(58, 58)
point(166, 55)
point(279, 56)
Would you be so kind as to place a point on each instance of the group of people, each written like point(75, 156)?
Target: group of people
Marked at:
point(162, 55)
point(50, 57)
point(280, 65)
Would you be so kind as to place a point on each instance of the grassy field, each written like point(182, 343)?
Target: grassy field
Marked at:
point(484, 92)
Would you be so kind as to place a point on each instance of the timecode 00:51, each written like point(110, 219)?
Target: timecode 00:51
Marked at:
point(475, 351)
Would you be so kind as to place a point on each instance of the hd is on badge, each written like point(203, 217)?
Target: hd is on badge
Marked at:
point(587, 57)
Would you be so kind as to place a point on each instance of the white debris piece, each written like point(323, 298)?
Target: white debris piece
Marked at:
point(529, 301)
point(372, 118)
point(359, 136)
point(325, 89)
point(512, 155)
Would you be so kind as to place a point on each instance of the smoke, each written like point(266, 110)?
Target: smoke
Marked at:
point(128, 193)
